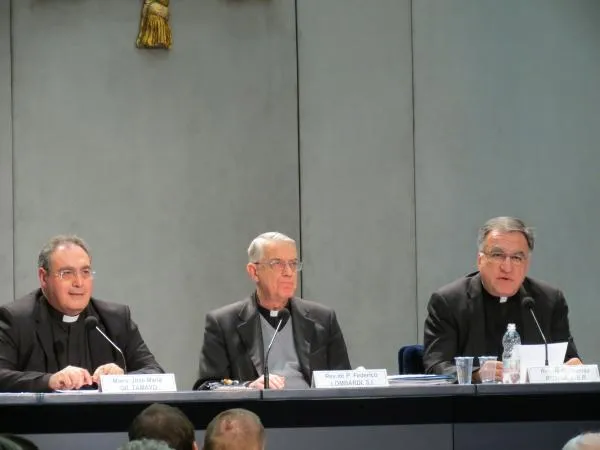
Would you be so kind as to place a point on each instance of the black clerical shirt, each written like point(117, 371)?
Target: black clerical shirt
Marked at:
point(266, 313)
point(70, 341)
point(497, 317)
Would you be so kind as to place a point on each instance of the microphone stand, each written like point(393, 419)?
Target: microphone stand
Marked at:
point(542, 334)
point(267, 354)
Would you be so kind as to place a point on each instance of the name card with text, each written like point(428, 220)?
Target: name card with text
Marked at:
point(151, 382)
point(563, 374)
point(349, 378)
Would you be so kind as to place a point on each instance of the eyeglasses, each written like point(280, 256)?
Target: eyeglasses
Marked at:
point(71, 274)
point(280, 264)
point(518, 259)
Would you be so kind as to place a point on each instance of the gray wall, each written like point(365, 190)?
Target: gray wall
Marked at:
point(356, 165)
point(297, 116)
point(6, 176)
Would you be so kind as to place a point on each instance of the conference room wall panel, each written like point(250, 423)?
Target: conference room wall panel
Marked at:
point(6, 185)
point(507, 108)
point(168, 163)
point(356, 161)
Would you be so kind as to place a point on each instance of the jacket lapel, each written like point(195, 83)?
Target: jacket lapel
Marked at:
point(251, 335)
point(477, 318)
point(44, 335)
point(303, 329)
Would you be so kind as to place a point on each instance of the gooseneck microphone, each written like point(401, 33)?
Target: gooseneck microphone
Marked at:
point(283, 314)
point(529, 303)
point(91, 322)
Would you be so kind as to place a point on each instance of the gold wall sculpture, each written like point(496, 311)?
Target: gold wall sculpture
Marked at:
point(155, 31)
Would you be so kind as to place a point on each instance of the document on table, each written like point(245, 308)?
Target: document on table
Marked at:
point(419, 379)
point(535, 356)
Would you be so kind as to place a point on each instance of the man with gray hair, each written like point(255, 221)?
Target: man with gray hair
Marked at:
point(469, 316)
point(584, 441)
point(49, 340)
point(236, 336)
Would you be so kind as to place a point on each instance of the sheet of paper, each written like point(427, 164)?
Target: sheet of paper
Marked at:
point(535, 356)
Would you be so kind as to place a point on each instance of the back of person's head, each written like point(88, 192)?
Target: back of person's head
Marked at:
point(235, 429)
point(164, 423)
point(12, 442)
point(584, 441)
point(146, 444)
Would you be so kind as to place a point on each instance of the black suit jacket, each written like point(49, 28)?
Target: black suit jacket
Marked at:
point(455, 323)
point(233, 345)
point(27, 356)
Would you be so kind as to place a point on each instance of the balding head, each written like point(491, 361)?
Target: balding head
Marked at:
point(584, 441)
point(235, 429)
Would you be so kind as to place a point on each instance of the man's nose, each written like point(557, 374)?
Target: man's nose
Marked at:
point(287, 269)
point(506, 265)
point(78, 279)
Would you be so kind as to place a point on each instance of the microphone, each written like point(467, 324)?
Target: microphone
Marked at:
point(529, 303)
point(284, 314)
point(91, 322)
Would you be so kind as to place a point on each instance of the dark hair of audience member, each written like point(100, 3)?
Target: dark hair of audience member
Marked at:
point(164, 423)
point(235, 429)
point(13, 442)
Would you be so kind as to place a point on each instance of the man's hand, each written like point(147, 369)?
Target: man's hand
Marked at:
point(489, 366)
point(275, 382)
point(107, 369)
point(574, 362)
point(70, 377)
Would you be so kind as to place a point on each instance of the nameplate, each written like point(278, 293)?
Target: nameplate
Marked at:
point(563, 374)
point(349, 378)
point(132, 383)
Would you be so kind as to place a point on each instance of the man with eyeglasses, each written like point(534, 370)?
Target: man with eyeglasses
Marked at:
point(469, 316)
point(44, 342)
point(236, 336)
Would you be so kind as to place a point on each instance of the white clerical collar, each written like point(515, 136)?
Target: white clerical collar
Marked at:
point(70, 319)
point(502, 299)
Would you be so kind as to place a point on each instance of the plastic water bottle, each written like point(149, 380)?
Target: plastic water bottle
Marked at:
point(511, 367)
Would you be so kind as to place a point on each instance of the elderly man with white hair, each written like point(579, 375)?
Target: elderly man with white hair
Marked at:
point(236, 336)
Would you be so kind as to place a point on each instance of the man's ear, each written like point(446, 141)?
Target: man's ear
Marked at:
point(43, 277)
point(480, 256)
point(251, 269)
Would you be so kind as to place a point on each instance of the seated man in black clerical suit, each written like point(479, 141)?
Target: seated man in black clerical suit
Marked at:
point(469, 316)
point(236, 336)
point(45, 344)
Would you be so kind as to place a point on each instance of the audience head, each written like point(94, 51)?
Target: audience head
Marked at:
point(12, 442)
point(235, 429)
point(584, 441)
point(164, 423)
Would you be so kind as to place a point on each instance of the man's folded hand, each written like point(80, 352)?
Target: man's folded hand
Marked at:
point(70, 377)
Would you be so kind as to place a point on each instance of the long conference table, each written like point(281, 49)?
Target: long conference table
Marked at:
point(462, 417)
